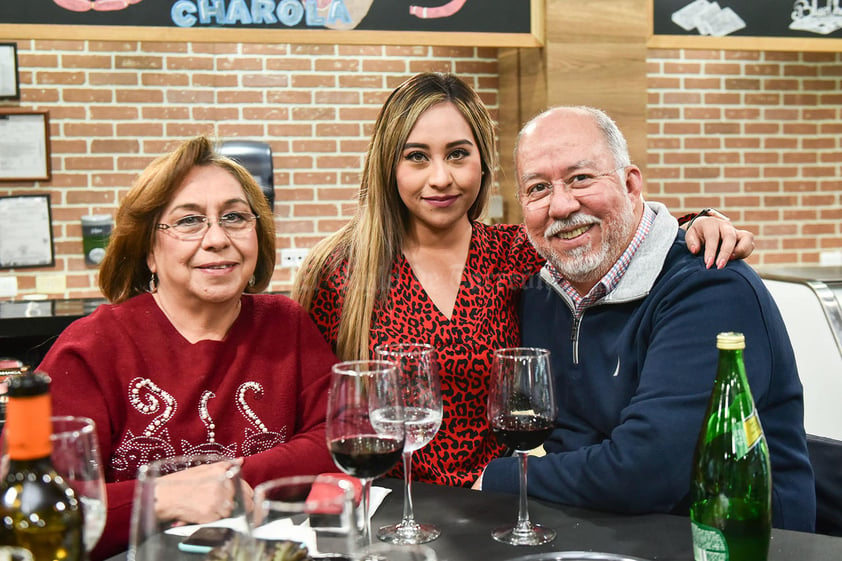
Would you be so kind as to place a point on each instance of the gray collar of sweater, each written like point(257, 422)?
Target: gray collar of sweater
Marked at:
point(645, 265)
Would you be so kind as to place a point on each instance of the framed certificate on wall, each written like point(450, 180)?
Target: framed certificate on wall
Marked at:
point(9, 85)
point(24, 145)
point(26, 232)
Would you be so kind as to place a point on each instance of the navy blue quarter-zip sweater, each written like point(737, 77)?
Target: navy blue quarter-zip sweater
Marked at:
point(633, 379)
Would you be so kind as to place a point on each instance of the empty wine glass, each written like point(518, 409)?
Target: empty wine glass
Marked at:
point(153, 537)
point(420, 387)
point(76, 457)
point(521, 412)
point(306, 516)
point(365, 430)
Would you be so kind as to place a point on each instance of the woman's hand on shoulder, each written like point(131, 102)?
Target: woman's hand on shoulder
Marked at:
point(720, 239)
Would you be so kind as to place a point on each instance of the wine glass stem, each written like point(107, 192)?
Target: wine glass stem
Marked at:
point(366, 506)
point(408, 515)
point(523, 523)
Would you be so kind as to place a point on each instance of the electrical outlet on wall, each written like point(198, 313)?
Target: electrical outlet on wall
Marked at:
point(51, 284)
point(293, 257)
point(8, 286)
point(830, 258)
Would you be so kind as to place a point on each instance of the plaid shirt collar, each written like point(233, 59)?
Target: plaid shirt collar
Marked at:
point(613, 276)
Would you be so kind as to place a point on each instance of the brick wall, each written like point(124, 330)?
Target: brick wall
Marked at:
point(756, 133)
point(116, 105)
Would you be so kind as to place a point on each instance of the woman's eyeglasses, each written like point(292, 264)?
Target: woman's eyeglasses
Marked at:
point(195, 226)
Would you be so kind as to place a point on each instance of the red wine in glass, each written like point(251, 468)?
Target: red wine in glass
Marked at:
point(521, 413)
point(366, 456)
point(365, 423)
point(521, 431)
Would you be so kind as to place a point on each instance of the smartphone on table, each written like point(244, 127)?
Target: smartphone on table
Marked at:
point(205, 539)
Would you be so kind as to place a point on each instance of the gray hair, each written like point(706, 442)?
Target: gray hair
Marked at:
point(617, 144)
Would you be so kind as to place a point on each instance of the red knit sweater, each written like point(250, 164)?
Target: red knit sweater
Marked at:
point(261, 393)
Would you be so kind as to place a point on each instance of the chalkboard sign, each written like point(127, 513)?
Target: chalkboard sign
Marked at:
point(465, 22)
point(775, 22)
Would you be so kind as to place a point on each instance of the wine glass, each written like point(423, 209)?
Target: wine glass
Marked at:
point(76, 457)
point(365, 431)
point(308, 516)
point(418, 378)
point(152, 538)
point(521, 412)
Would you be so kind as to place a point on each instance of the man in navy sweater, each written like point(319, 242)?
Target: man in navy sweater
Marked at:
point(631, 317)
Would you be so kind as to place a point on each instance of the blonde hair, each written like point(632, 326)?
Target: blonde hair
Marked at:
point(372, 240)
point(123, 272)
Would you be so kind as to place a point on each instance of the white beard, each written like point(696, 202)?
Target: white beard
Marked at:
point(587, 264)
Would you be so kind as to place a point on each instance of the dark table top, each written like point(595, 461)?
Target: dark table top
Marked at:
point(466, 517)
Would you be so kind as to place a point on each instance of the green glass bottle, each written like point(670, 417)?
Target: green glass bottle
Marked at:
point(38, 510)
point(731, 487)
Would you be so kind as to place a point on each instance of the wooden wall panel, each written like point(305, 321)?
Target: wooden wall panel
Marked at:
point(609, 76)
point(523, 94)
point(594, 54)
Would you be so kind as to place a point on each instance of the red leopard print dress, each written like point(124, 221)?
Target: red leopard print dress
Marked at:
point(484, 318)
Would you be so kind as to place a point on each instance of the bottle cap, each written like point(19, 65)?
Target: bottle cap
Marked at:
point(28, 384)
point(730, 341)
point(28, 427)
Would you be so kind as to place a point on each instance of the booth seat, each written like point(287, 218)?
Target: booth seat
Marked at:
point(810, 300)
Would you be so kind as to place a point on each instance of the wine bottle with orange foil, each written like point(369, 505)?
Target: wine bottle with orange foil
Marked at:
point(38, 510)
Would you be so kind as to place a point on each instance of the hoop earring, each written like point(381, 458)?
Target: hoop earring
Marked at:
point(153, 284)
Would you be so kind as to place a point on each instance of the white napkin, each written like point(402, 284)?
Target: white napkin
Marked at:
point(279, 529)
point(285, 530)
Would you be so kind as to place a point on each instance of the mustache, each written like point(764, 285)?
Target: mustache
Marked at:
point(574, 221)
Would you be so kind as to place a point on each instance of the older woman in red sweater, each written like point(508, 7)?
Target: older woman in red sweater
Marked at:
point(187, 358)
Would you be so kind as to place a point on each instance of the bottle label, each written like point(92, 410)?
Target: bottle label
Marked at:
point(747, 434)
point(708, 543)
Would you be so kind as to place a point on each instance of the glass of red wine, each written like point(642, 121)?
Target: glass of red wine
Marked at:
point(365, 423)
point(521, 413)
